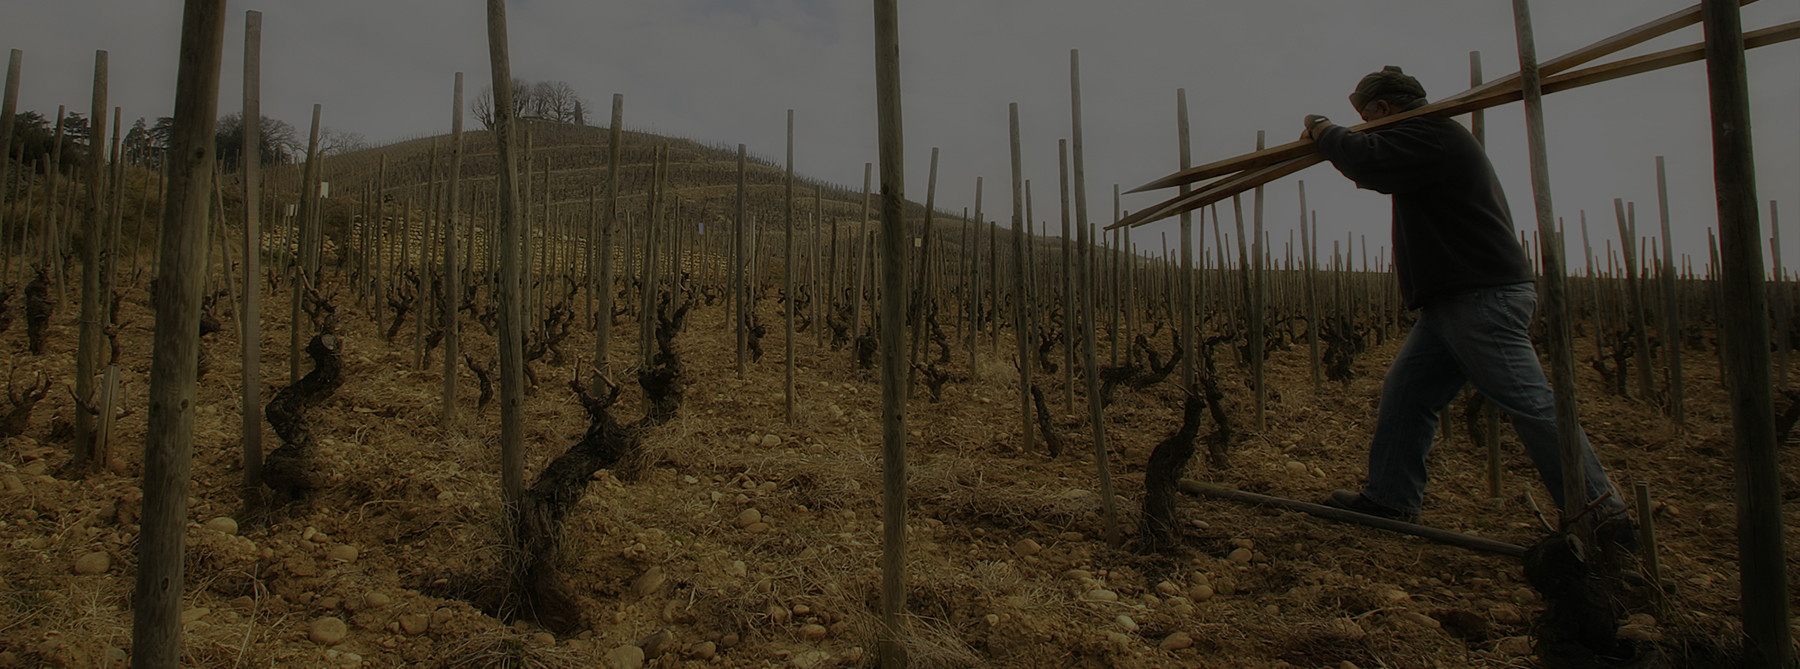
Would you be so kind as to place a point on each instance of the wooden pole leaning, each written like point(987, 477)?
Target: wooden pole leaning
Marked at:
point(1190, 336)
point(169, 439)
point(1761, 550)
point(1556, 310)
point(1096, 416)
point(1021, 324)
point(1254, 308)
point(921, 297)
point(891, 651)
point(301, 272)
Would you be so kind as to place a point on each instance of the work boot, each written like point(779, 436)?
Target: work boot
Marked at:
point(1354, 501)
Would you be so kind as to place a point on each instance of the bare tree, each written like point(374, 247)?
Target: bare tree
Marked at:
point(557, 101)
point(547, 100)
point(335, 142)
point(483, 106)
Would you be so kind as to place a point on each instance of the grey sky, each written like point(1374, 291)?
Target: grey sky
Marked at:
point(726, 71)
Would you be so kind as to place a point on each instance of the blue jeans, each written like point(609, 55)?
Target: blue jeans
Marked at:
point(1481, 337)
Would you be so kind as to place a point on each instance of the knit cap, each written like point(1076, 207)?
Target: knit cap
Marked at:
point(1388, 81)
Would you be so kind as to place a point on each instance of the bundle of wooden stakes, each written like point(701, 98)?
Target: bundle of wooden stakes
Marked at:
point(1238, 174)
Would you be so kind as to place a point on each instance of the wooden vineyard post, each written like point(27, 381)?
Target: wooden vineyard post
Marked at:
point(1671, 302)
point(422, 312)
point(1021, 323)
point(1490, 414)
point(9, 106)
point(1254, 309)
point(378, 287)
point(1096, 415)
point(787, 275)
point(512, 327)
point(608, 228)
point(87, 354)
point(975, 288)
point(452, 279)
point(1628, 244)
point(1309, 248)
point(301, 276)
point(169, 439)
point(647, 297)
point(251, 334)
point(1744, 317)
point(812, 266)
point(891, 651)
point(1647, 535)
point(862, 254)
point(1125, 288)
point(1070, 324)
point(1562, 355)
point(738, 293)
point(1780, 298)
point(921, 297)
point(1190, 336)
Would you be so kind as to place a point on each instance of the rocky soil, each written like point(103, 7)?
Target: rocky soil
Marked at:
point(740, 539)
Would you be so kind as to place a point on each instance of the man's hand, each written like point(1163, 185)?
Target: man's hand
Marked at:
point(1313, 123)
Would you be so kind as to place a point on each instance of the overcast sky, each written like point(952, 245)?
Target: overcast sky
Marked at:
point(726, 71)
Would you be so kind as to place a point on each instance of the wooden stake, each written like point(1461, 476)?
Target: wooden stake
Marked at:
point(738, 294)
point(1761, 551)
point(169, 439)
point(91, 339)
point(608, 228)
point(975, 289)
point(1647, 536)
point(787, 274)
point(1109, 512)
point(1070, 323)
point(1671, 303)
point(1780, 298)
point(1556, 311)
point(9, 106)
point(512, 326)
point(303, 276)
point(1021, 322)
point(452, 276)
point(1258, 338)
point(921, 296)
point(1277, 162)
point(891, 651)
point(1628, 247)
point(1190, 335)
point(862, 256)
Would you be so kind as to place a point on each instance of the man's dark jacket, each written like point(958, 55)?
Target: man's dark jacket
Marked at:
point(1452, 229)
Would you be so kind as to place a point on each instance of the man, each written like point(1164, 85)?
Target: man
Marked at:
point(1460, 266)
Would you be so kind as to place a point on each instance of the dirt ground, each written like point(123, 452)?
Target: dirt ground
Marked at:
point(1006, 565)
